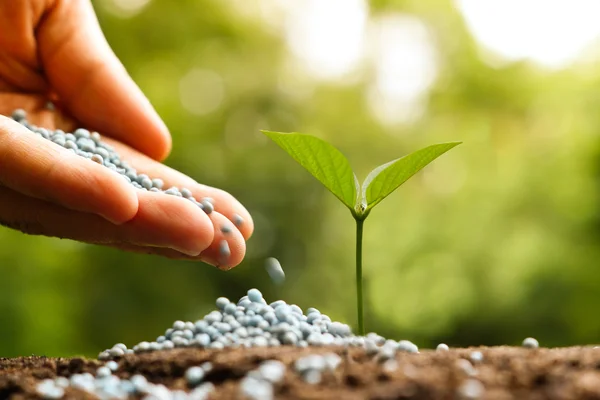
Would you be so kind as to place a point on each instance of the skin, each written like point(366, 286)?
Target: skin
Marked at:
point(55, 50)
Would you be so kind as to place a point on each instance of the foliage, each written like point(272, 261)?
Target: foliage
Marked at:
point(332, 169)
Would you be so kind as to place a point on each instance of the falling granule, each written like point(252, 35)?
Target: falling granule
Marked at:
point(274, 270)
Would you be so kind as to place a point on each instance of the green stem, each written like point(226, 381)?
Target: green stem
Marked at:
point(359, 291)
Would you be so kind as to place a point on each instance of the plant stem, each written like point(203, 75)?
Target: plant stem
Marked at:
point(359, 291)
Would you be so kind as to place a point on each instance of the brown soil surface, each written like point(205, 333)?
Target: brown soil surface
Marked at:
point(505, 372)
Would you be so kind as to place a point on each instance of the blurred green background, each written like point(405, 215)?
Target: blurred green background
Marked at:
point(495, 241)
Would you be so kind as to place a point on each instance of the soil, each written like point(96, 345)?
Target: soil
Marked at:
point(506, 373)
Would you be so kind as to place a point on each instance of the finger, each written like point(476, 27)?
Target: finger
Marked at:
point(213, 255)
point(19, 69)
point(92, 83)
point(228, 247)
point(162, 222)
point(224, 202)
point(42, 169)
point(167, 253)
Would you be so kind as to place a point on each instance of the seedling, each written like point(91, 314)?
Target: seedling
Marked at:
point(332, 169)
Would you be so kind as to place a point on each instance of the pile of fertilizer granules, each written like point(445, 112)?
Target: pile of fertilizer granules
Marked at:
point(249, 323)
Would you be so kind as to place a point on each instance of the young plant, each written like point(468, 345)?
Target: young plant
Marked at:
point(332, 169)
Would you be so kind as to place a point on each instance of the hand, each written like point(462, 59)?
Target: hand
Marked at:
point(55, 50)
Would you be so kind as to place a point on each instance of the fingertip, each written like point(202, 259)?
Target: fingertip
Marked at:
point(246, 226)
point(184, 227)
point(198, 237)
point(164, 144)
point(238, 253)
point(229, 206)
point(228, 248)
point(151, 137)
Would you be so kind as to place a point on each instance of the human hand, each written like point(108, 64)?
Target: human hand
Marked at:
point(55, 50)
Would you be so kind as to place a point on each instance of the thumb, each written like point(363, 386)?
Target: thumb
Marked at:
point(92, 83)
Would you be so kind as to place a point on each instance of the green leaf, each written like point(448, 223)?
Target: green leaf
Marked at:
point(323, 161)
point(386, 178)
